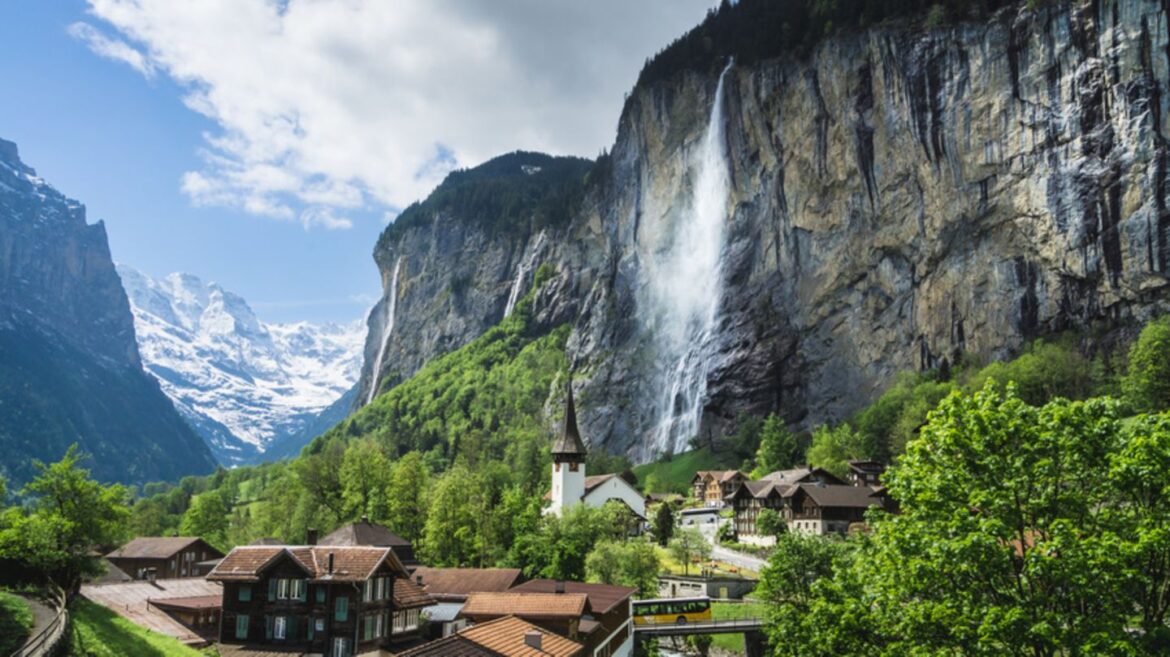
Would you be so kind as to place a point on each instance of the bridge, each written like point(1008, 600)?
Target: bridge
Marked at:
point(736, 626)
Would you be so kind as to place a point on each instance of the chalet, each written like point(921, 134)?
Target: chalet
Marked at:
point(825, 509)
point(335, 601)
point(748, 500)
point(507, 636)
point(371, 535)
point(164, 557)
point(866, 473)
point(606, 628)
point(449, 587)
point(712, 486)
point(570, 485)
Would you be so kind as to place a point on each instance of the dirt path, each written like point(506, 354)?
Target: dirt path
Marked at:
point(42, 617)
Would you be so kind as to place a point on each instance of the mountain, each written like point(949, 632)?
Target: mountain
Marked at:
point(246, 386)
point(70, 370)
point(785, 224)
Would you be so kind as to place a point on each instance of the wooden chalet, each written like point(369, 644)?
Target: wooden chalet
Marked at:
point(369, 534)
point(712, 486)
point(507, 636)
point(826, 509)
point(866, 473)
point(606, 627)
point(335, 601)
point(165, 557)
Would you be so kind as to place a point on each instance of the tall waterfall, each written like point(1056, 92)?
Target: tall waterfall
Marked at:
point(387, 329)
point(522, 270)
point(687, 286)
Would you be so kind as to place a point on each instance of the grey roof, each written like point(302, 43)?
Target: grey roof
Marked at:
point(569, 442)
point(363, 533)
point(156, 547)
point(840, 496)
point(802, 475)
point(444, 612)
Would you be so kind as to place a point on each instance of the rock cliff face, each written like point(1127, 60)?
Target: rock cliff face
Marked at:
point(897, 200)
point(70, 371)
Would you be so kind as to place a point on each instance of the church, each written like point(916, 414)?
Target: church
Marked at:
point(571, 485)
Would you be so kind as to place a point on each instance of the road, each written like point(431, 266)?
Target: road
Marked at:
point(720, 553)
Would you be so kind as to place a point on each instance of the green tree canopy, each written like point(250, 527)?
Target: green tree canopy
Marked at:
point(1147, 383)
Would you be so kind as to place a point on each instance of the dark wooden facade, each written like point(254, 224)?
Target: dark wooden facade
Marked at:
point(288, 606)
point(163, 557)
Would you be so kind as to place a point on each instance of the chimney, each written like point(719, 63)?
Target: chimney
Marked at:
point(330, 562)
point(418, 580)
point(532, 639)
point(559, 586)
point(311, 537)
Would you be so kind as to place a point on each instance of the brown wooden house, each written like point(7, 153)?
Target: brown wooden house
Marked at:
point(827, 509)
point(712, 486)
point(371, 534)
point(866, 473)
point(336, 601)
point(164, 557)
point(606, 628)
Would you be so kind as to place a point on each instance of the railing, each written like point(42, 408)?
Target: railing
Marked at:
point(46, 641)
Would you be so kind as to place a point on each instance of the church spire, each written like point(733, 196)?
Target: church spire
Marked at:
point(568, 446)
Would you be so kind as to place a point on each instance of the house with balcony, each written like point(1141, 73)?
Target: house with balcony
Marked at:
point(335, 601)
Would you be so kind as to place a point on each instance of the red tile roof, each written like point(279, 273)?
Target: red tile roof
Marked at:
point(537, 606)
point(408, 595)
point(602, 597)
point(457, 583)
point(503, 637)
point(350, 564)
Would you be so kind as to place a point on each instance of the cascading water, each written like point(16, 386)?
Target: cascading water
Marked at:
point(522, 270)
point(387, 329)
point(687, 286)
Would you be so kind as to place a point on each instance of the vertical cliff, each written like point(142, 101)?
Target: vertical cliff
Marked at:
point(898, 198)
point(69, 366)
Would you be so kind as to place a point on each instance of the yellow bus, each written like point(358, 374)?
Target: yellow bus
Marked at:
point(672, 610)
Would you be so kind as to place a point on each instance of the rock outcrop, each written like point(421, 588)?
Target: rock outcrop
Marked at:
point(900, 198)
point(70, 370)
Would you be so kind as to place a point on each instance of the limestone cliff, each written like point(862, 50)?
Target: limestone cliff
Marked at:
point(70, 371)
point(898, 198)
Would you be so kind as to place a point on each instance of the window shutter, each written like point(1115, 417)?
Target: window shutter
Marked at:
point(271, 590)
point(268, 627)
point(320, 593)
point(310, 622)
point(302, 589)
point(291, 632)
point(341, 610)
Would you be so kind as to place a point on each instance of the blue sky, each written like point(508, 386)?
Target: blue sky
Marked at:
point(265, 147)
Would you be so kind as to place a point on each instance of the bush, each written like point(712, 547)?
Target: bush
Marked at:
point(1147, 383)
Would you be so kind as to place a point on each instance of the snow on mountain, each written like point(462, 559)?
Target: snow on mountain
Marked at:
point(244, 384)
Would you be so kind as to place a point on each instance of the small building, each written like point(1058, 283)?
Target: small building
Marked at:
point(571, 486)
point(824, 509)
point(698, 516)
point(186, 609)
point(336, 601)
point(370, 534)
point(721, 588)
point(866, 473)
point(449, 587)
point(606, 629)
point(163, 557)
point(712, 486)
point(506, 636)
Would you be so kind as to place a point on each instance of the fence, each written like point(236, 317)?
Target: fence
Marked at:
point(49, 639)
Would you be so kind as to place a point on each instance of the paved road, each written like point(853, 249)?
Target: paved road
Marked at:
point(720, 553)
point(42, 617)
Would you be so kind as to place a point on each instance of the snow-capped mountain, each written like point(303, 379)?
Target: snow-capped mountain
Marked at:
point(246, 386)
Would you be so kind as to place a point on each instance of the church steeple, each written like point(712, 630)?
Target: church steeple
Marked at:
point(568, 447)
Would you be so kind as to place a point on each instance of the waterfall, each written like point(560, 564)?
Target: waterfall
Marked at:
point(387, 329)
point(687, 286)
point(522, 270)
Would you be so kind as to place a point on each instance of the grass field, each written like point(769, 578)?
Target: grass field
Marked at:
point(99, 632)
point(674, 476)
point(732, 611)
point(16, 621)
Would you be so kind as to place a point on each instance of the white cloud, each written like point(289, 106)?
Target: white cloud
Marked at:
point(109, 48)
point(324, 106)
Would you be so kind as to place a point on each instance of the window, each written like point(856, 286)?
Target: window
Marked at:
point(340, 646)
point(282, 589)
point(341, 609)
point(321, 594)
point(242, 626)
point(380, 626)
point(367, 627)
point(280, 628)
point(245, 593)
